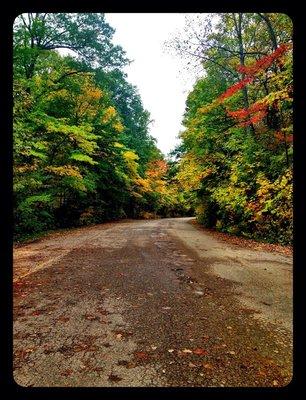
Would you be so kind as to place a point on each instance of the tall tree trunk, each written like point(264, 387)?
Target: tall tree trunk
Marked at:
point(238, 27)
point(275, 121)
point(270, 30)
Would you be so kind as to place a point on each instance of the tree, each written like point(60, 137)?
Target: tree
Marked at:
point(236, 159)
point(86, 34)
point(82, 148)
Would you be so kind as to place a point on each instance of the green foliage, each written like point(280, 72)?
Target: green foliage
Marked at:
point(239, 176)
point(34, 214)
point(82, 151)
point(86, 34)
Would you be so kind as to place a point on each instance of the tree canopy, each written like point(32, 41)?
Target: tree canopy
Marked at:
point(82, 148)
point(236, 152)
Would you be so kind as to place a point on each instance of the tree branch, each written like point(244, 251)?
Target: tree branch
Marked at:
point(68, 74)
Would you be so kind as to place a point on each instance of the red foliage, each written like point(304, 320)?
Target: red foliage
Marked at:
point(258, 109)
point(289, 138)
point(281, 137)
point(264, 62)
point(234, 88)
point(251, 70)
point(255, 119)
point(246, 112)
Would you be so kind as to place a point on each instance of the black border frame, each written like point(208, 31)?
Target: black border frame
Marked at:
point(6, 375)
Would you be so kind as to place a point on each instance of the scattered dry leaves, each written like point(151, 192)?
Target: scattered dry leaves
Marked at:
point(244, 242)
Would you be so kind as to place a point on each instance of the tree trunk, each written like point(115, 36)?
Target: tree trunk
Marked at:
point(238, 26)
point(270, 30)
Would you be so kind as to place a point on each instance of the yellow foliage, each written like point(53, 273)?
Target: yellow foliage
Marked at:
point(109, 113)
point(24, 168)
point(191, 172)
point(210, 106)
point(65, 170)
point(118, 126)
point(119, 145)
point(93, 93)
point(143, 184)
point(130, 158)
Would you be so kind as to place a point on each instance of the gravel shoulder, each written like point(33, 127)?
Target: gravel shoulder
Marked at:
point(263, 279)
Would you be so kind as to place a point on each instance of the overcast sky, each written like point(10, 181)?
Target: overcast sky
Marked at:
point(162, 84)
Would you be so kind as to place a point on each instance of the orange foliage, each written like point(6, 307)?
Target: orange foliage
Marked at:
point(157, 169)
point(282, 137)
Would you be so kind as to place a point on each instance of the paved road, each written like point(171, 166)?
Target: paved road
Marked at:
point(150, 303)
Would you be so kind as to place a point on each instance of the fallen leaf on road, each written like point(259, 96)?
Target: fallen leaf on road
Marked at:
point(114, 378)
point(63, 318)
point(153, 347)
point(166, 308)
point(119, 336)
point(170, 351)
point(126, 364)
point(30, 350)
point(91, 317)
point(67, 372)
point(191, 365)
point(208, 366)
point(141, 355)
point(200, 352)
point(131, 365)
point(186, 351)
point(123, 363)
point(231, 352)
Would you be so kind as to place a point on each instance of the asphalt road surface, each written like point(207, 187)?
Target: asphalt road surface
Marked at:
point(150, 303)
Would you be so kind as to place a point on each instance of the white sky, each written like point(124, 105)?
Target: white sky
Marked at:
point(162, 84)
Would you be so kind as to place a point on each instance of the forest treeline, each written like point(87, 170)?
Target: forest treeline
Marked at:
point(235, 160)
point(82, 149)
